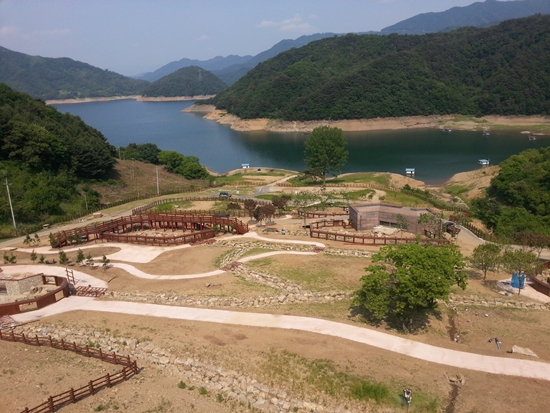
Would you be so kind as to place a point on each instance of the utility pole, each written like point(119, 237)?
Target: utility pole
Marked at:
point(158, 189)
point(11, 206)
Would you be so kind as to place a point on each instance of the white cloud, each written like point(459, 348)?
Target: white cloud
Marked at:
point(8, 31)
point(294, 24)
point(203, 38)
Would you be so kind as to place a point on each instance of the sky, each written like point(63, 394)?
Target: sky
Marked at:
point(136, 36)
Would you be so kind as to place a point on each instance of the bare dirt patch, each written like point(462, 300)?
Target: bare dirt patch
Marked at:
point(269, 355)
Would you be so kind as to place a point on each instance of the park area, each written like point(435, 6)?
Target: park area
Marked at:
point(192, 365)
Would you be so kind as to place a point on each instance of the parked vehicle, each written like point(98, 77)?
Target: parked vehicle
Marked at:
point(225, 195)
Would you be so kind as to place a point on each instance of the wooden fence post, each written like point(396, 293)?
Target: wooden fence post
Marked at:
point(51, 406)
point(100, 354)
point(73, 400)
point(108, 380)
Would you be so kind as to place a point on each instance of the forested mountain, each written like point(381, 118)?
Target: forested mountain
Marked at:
point(478, 14)
point(62, 78)
point(234, 72)
point(518, 199)
point(45, 154)
point(231, 68)
point(188, 81)
point(500, 70)
point(216, 63)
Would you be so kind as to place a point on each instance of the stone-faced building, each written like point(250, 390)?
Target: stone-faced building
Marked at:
point(367, 216)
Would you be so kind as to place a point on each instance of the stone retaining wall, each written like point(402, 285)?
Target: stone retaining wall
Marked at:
point(194, 371)
point(496, 302)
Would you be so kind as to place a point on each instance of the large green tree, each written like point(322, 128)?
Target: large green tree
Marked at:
point(405, 280)
point(486, 257)
point(325, 151)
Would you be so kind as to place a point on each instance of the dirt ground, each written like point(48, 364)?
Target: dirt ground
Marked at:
point(269, 355)
point(539, 123)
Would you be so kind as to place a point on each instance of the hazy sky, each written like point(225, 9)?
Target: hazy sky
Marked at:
point(134, 36)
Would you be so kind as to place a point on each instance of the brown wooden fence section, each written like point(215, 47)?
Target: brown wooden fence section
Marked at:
point(93, 386)
point(122, 229)
point(316, 214)
point(369, 240)
point(39, 302)
point(539, 285)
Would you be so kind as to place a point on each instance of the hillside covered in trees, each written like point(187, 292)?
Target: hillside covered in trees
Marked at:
point(518, 199)
point(501, 70)
point(62, 78)
point(187, 81)
point(45, 154)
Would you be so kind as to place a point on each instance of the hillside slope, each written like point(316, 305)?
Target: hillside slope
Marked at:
point(502, 70)
point(62, 78)
point(478, 14)
point(188, 81)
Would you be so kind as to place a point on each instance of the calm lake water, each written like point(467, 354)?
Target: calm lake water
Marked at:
point(436, 156)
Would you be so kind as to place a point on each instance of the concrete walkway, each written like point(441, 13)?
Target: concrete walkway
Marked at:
point(458, 359)
point(360, 334)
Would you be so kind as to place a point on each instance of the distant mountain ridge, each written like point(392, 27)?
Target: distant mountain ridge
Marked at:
point(187, 81)
point(216, 63)
point(231, 68)
point(62, 78)
point(478, 14)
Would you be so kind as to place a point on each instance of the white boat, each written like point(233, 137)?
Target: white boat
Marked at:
point(532, 138)
point(486, 133)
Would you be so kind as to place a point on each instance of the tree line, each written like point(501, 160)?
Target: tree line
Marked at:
point(498, 70)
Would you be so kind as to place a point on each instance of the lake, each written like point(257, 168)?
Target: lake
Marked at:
point(436, 156)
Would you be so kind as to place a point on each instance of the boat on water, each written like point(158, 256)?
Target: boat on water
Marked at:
point(532, 138)
point(483, 162)
point(446, 130)
point(486, 133)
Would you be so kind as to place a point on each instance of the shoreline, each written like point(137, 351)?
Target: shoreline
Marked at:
point(133, 97)
point(537, 125)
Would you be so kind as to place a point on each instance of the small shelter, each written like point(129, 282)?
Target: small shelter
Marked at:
point(245, 165)
point(409, 171)
point(367, 216)
point(483, 162)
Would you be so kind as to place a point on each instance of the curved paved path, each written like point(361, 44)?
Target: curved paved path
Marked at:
point(459, 359)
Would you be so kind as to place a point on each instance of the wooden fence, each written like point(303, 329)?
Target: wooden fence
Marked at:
point(111, 230)
point(161, 241)
point(93, 386)
point(308, 214)
point(39, 302)
point(368, 240)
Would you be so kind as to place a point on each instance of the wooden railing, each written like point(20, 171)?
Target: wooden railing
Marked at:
point(110, 230)
point(93, 386)
point(369, 240)
point(39, 302)
point(316, 214)
point(161, 241)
